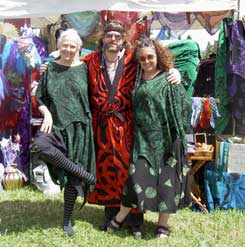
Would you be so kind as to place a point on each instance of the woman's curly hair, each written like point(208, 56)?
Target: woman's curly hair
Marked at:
point(164, 55)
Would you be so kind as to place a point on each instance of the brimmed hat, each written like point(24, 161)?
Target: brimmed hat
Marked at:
point(114, 26)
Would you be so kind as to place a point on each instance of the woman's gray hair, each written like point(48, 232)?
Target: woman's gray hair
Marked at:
point(72, 34)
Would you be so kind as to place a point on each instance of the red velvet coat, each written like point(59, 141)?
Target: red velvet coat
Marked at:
point(112, 124)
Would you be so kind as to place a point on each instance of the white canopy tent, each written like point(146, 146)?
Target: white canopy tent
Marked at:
point(37, 8)
point(48, 11)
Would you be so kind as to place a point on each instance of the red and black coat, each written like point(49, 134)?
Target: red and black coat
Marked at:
point(112, 114)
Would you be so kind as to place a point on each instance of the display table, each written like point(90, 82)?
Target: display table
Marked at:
point(201, 157)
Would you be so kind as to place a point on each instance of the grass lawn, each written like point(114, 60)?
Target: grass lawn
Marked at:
point(29, 218)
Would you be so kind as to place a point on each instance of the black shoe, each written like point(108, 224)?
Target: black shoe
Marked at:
point(136, 232)
point(162, 232)
point(114, 225)
point(68, 230)
point(104, 225)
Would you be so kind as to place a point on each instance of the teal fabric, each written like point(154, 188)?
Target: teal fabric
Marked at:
point(222, 161)
point(83, 21)
point(186, 59)
point(224, 190)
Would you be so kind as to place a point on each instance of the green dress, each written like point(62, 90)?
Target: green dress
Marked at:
point(64, 91)
point(158, 173)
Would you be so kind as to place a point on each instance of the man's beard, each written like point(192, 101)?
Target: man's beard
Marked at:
point(112, 47)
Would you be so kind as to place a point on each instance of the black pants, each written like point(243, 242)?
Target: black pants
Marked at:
point(51, 148)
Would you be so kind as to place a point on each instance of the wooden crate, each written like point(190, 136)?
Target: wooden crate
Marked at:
point(205, 154)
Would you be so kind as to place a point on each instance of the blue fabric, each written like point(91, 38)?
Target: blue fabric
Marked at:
point(164, 33)
point(224, 190)
point(6, 52)
point(1, 89)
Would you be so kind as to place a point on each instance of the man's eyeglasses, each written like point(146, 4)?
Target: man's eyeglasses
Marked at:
point(111, 35)
point(149, 57)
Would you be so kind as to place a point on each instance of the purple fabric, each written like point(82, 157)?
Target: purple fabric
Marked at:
point(41, 47)
point(12, 57)
point(5, 83)
point(177, 23)
point(236, 73)
point(237, 48)
point(23, 129)
point(237, 97)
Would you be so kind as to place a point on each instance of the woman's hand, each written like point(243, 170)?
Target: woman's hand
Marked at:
point(47, 122)
point(43, 68)
point(174, 76)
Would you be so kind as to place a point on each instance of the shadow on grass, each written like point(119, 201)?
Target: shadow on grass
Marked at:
point(21, 215)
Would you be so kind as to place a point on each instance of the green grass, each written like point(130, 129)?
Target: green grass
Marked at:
point(29, 218)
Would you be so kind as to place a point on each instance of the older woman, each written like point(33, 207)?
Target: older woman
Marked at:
point(158, 170)
point(65, 140)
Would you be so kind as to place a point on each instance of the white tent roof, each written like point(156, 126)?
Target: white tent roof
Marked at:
point(42, 8)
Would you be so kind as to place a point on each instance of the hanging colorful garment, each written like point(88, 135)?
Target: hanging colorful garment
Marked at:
point(205, 115)
point(186, 59)
point(84, 22)
point(236, 70)
point(211, 20)
point(130, 19)
point(197, 104)
point(20, 57)
point(175, 23)
point(3, 40)
point(41, 48)
point(10, 151)
point(4, 90)
point(13, 68)
point(221, 89)
point(224, 190)
point(204, 112)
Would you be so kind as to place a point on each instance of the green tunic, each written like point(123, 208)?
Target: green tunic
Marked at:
point(64, 91)
point(161, 113)
point(158, 170)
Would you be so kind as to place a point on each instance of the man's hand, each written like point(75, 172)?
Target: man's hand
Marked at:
point(174, 76)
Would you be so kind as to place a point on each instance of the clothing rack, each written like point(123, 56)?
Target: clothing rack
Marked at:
point(204, 98)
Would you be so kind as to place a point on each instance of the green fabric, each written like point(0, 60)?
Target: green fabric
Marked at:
point(64, 91)
point(161, 113)
point(221, 90)
point(186, 59)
